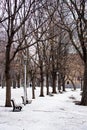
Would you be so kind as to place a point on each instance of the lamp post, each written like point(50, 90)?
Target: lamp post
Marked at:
point(25, 88)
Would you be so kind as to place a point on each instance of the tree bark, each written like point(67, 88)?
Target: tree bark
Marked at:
point(33, 88)
point(59, 82)
point(63, 83)
point(14, 83)
point(3, 83)
point(8, 78)
point(74, 86)
point(54, 82)
point(84, 94)
point(47, 83)
point(18, 80)
point(41, 83)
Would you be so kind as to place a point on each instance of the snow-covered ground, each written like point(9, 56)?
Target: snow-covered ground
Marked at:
point(44, 113)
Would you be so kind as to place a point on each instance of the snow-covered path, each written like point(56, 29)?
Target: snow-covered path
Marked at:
point(45, 113)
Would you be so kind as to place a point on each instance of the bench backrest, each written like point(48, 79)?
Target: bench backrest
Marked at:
point(13, 102)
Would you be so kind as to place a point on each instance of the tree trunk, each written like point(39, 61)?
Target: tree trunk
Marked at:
point(33, 88)
point(47, 83)
point(63, 82)
point(14, 83)
point(84, 94)
point(74, 86)
point(63, 85)
point(3, 83)
point(59, 83)
point(41, 83)
point(81, 84)
point(8, 78)
point(18, 80)
point(54, 82)
point(8, 90)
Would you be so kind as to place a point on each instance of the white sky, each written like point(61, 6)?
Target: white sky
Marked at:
point(44, 113)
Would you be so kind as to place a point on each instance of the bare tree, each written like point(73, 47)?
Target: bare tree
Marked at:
point(14, 20)
point(73, 19)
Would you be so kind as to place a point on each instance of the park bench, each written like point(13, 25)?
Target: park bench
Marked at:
point(16, 107)
point(27, 101)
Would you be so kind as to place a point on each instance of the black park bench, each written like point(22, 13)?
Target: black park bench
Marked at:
point(27, 101)
point(16, 107)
